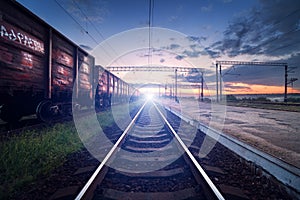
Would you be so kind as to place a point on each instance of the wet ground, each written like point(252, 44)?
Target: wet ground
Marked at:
point(272, 131)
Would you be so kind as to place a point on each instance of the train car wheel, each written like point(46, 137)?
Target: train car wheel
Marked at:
point(44, 111)
point(10, 113)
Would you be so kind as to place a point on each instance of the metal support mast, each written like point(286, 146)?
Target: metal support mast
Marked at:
point(285, 83)
point(217, 84)
point(202, 82)
point(221, 86)
point(255, 64)
point(176, 99)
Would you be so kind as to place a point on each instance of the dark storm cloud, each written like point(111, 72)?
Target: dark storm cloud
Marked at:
point(270, 76)
point(211, 53)
point(193, 76)
point(173, 46)
point(193, 50)
point(196, 39)
point(179, 57)
point(229, 87)
point(192, 54)
point(271, 29)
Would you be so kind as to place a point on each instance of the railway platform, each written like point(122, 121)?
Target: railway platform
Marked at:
point(271, 131)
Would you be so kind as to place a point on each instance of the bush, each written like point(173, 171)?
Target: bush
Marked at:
point(262, 99)
point(231, 97)
point(293, 99)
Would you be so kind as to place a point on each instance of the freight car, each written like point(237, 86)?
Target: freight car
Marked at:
point(111, 90)
point(40, 70)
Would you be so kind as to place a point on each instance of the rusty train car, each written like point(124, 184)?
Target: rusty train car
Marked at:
point(43, 72)
point(111, 90)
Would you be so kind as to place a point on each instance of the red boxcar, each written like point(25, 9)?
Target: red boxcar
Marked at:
point(43, 72)
point(39, 67)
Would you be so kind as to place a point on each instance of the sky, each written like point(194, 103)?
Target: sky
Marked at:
point(191, 33)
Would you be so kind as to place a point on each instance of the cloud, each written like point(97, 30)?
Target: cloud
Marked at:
point(211, 53)
point(88, 11)
point(179, 57)
point(207, 8)
point(192, 54)
point(259, 75)
point(86, 47)
point(196, 39)
point(231, 87)
point(173, 46)
point(267, 29)
point(192, 48)
point(173, 18)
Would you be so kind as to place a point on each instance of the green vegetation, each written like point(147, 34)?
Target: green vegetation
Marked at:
point(34, 153)
point(30, 155)
point(294, 100)
point(293, 104)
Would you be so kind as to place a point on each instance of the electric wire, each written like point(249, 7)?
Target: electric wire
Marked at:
point(150, 17)
point(96, 29)
point(76, 21)
point(101, 35)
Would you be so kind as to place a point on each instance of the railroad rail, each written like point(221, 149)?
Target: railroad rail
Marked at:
point(138, 137)
point(286, 174)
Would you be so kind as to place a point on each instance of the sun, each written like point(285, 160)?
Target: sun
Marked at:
point(149, 96)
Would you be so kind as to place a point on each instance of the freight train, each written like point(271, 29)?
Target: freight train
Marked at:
point(43, 72)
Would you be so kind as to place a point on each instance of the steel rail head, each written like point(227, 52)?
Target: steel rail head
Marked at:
point(190, 155)
point(84, 190)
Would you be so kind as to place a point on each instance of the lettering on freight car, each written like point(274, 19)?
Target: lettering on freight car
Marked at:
point(85, 69)
point(27, 60)
point(63, 71)
point(60, 82)
point(12, 34)
point(62, 57)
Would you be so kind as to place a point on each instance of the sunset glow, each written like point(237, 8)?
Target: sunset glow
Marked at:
point(243, 88)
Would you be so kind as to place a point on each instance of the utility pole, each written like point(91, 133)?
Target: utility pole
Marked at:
point(285, 83)
point(159, 91)
point(201, 88)
point(255, 64)
point(217, 84)
point(221, 83)
point(166, 87)
point(176, 85)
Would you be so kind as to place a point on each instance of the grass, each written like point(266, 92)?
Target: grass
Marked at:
point(32, 154)
point(293, 107)
point(293, 104)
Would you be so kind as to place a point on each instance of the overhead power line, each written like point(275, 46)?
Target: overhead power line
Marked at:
point(83, 13)
point(150, 18)
point(154, 68)
point(86, 31)
point(76, 22)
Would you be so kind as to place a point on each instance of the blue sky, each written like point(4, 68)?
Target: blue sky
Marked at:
point(191, 17)
point(249, 30)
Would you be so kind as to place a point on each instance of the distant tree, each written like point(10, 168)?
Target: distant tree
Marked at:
point(262, 99)
point(231, 97)
point(294, 100)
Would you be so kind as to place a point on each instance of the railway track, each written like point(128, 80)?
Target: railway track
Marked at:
point(134, 171)
point(149, 161)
